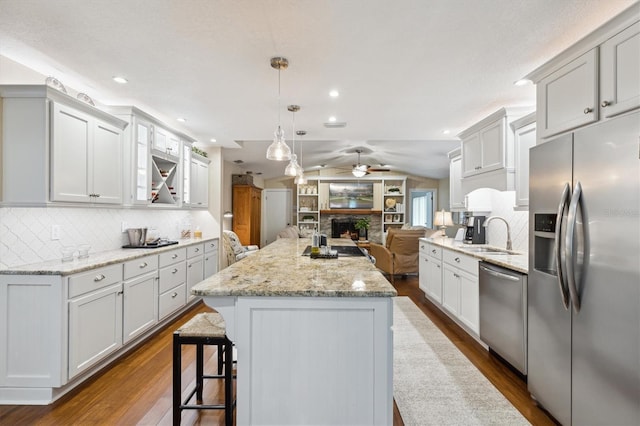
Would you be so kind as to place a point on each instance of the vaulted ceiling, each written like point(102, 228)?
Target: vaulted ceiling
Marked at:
point(406, 70)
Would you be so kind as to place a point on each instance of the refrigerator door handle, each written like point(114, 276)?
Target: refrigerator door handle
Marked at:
point(569, 246)
point(562, 284)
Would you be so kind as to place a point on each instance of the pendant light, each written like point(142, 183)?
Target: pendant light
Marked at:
point(293, 168)
point(300, 179)
point(279, 150)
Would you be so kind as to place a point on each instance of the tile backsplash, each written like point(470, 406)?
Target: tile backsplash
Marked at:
point(25, 233)
point(502, 203)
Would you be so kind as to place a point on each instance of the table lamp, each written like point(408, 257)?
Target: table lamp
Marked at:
point(442, 220)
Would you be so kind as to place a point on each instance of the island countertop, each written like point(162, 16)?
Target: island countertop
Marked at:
point(279, 269)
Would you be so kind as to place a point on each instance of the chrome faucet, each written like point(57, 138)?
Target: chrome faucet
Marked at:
point(490, 218)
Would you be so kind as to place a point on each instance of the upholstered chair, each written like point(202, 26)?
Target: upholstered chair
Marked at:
point(233, 249)
point(399, 255)
point(290, 231)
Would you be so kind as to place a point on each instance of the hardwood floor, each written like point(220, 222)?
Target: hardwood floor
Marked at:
point(137, 388)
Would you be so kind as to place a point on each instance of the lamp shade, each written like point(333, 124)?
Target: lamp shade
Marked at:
point(443, 218)
point(278, 150)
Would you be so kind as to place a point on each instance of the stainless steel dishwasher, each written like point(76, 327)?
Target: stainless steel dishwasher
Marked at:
point(503, 313)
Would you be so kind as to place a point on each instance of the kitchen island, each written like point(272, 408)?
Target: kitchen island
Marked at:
point(313, 336)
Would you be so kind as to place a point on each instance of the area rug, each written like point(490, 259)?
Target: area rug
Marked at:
point(434, 383)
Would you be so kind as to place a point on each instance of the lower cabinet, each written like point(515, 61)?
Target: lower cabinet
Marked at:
point(140, 309)
point(430, 275)
point(210, 258)
point(95, 327)
point(172, 285)
point(461, 288)
point(195, 267)
point(451, 289)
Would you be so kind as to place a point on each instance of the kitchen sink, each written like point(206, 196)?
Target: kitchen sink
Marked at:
point(486, 250)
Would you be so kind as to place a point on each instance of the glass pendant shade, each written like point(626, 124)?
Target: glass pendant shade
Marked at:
point(300, 179)
point(278, 150)
point(293, 167)
point(359, 171)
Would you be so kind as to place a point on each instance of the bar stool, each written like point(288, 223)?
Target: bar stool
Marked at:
point(203, 329)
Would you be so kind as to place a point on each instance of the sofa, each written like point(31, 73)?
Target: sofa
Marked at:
point(400, 253)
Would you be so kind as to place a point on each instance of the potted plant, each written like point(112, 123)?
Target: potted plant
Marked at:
point(362, 225)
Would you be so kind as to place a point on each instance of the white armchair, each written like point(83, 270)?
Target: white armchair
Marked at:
point(233, 249)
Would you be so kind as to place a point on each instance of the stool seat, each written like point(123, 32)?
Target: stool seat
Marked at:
point(206, 328)
point(207, 324)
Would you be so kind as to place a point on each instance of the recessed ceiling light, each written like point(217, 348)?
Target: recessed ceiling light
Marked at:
point(446, 132)
point(181, 119)
point(120, 80)
point(212, 140)
point(334, 93)
point(523, 82)
point(332, 119)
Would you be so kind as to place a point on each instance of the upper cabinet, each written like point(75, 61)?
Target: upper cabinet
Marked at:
point(58, 149)
point(488, 152)
point(456, 197)
point(525, 138)
point(594, 79)
point(199, 181)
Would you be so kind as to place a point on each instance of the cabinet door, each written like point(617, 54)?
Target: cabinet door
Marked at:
point(469, 301)
point(423, 271)
point(434, 280)
point(71, 133)
point(142, 166)
point(471, 155)
point(620, 72)
point(456, 198)
point(106, 164)
point(195, 273)
point(203, 184)
point(525, 138)
point(568, 98)
point(95, 327)
point(140, 309)
point(451, 289)
point(210, 263)
point(492, 146)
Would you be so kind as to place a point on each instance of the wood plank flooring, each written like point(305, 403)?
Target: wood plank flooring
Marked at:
point(136, 389)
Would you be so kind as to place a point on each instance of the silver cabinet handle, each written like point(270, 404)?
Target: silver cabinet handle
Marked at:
point(499, 274)
point(121, 292)
point(605, 104)
point(457, 259)
point(564, 202)
point(174, 270)
point(174, 295)
point(456, 275)
point(190, 265)
point(197, 250)
point(175, 256)
point(433, 251)
point(143, 265)
point(588, 110)
point(421, 247)
point(99, 278)
point(572, 218)
point(438, 266)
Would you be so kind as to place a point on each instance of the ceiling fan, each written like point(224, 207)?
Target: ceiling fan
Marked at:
point(360, 170)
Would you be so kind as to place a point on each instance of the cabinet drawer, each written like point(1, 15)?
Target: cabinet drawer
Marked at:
point(195, 250)
point(172, 275)
point(172, 300)
point(210, 246)
point(431, 250)
point(94, 279)
point(136, 267)
point(462, 261)
point(172, 257)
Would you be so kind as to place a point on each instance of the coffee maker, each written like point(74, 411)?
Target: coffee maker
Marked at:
point(475, 231)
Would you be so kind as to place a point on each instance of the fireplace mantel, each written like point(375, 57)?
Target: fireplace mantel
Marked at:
point(350, 211)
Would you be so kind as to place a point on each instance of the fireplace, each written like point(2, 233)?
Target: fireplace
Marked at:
point(345, 228)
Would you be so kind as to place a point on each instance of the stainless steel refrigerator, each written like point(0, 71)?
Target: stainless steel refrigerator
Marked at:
point(584, 274)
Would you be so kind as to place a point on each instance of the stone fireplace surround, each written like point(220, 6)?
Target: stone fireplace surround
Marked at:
point(375, 228)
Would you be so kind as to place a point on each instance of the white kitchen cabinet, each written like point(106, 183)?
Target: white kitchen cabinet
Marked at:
point(165, 179)
point(140, 305)
point(456, 197)
point(430, 271)
point(210, 258)
point(525, 138)
point(488, 151)
point(56, 148)
point(86, 157)
point(166, 142)
point(195, 267)
point(620, 72)
point(172, 285)
point(199, 171)
point(568, 97)
point(95, 327)
point(461, 288)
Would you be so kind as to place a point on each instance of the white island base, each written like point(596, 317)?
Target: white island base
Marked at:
point(311, 360)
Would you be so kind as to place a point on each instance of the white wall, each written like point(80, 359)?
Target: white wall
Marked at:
point(25, 233)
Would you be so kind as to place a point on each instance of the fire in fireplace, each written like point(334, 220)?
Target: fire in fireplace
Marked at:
point(344, 228)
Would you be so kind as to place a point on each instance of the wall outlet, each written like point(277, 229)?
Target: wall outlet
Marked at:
point(55, 232)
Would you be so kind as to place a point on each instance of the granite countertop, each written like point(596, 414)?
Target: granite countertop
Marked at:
point(516, 261)
point(95, 260)
point(279, 269)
